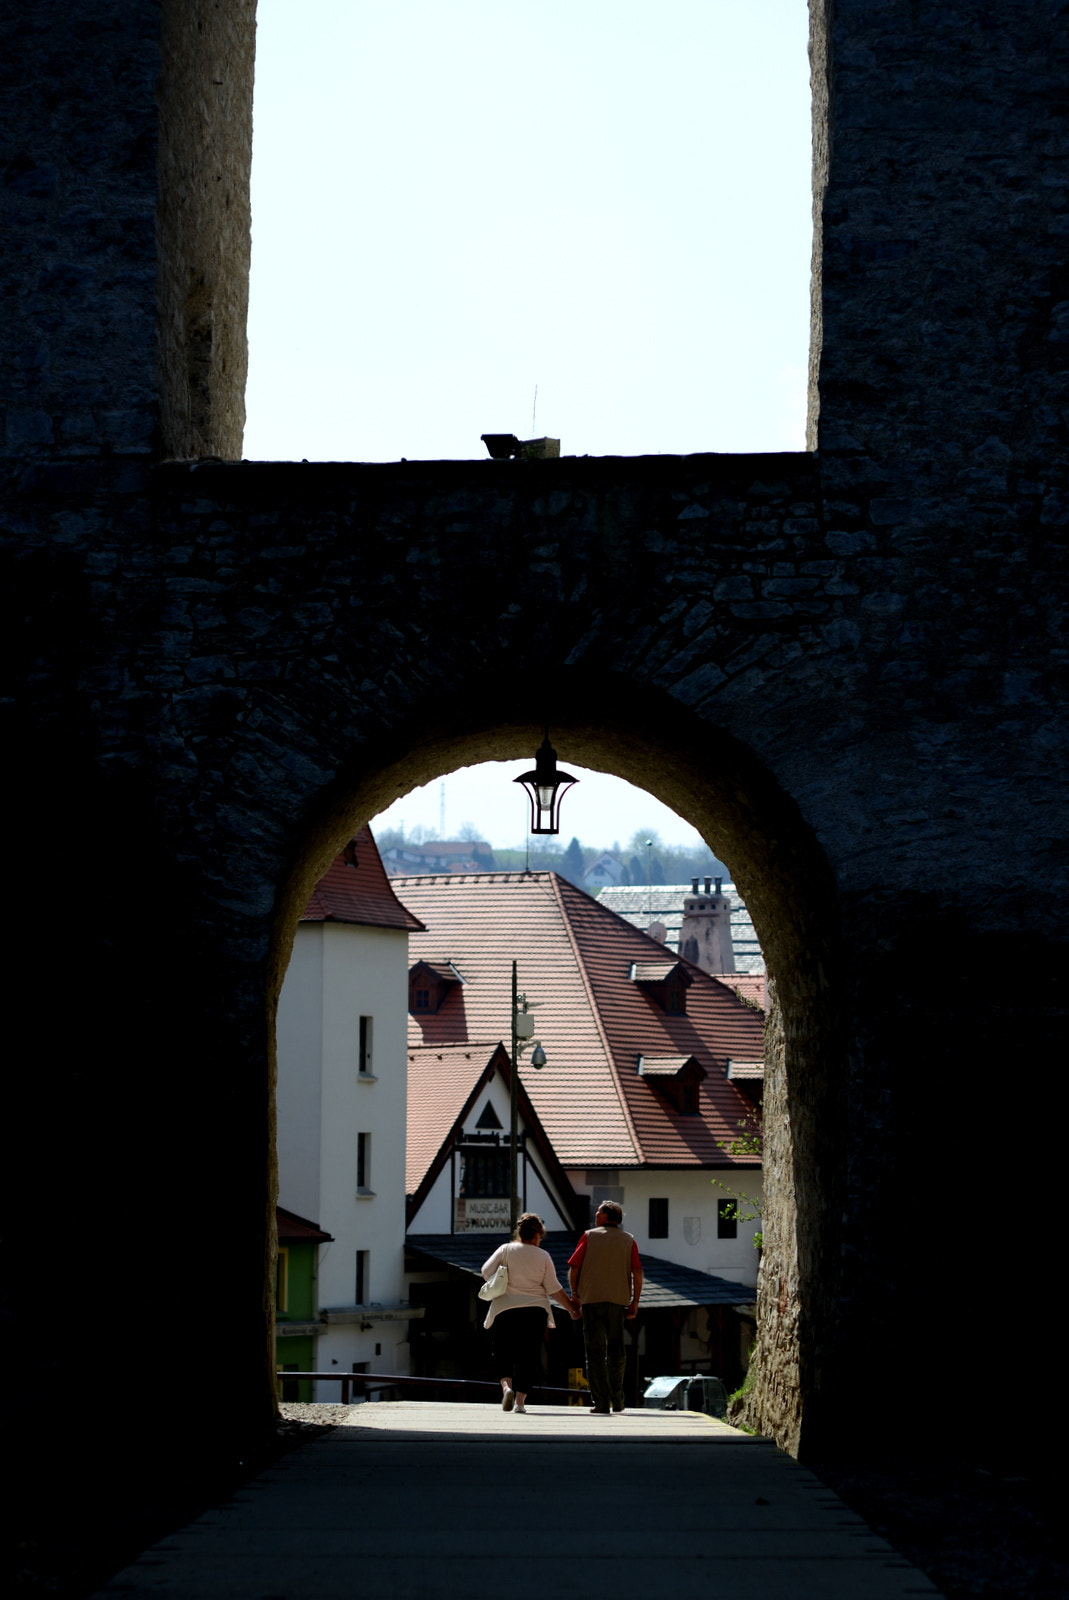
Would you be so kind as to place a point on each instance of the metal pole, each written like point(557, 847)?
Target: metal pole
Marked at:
point(514, 1118)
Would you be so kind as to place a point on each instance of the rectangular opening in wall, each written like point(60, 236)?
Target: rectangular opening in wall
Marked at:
point(362, 1271)
point(364, 1048)
point(727, 1219)
point(363, 1163)
point(658, 1219)
point(456, 206)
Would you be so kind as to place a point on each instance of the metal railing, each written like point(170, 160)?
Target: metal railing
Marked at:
point(390, 1380)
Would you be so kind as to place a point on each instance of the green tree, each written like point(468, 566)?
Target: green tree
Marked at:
point(572, 864)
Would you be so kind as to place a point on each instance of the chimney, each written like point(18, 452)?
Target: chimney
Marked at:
point(705, 932)
point(693, 885)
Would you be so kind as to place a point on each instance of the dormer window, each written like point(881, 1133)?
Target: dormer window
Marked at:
point(666, 983)
point(676, 1079)
point(749, 1076)
point(429, 982)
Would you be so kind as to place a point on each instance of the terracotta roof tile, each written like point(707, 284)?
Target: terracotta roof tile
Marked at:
point(655, 971)
point(663, 1066)
point(355, 889)
point(293, 1229)
point(439, 1083)
point(575, 958)
point(745, 1069)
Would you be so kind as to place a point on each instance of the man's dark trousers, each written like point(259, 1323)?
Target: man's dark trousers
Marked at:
point(603, 1335)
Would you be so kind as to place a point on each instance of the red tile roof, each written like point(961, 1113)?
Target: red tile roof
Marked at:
point(355, 889)
point(750, 985)
point(575, 961)
point(293, 1229)
point(441, 1081)
point(444, 1084)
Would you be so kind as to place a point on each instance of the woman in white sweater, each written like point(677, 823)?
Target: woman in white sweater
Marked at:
point(518, 1317)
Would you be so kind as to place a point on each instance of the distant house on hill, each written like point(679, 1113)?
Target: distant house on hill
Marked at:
point(638, 1099)
point(456, 855)
point(342, 1093)
point(606, 870)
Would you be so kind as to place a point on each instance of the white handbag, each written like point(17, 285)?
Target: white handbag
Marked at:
point(495, 1286)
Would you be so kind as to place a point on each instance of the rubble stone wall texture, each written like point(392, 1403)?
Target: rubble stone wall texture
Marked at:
point(846, 668)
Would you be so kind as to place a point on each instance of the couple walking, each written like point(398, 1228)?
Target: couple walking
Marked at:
point(605, 1277)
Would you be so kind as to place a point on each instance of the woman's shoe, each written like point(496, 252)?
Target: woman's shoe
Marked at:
point(508, 1400)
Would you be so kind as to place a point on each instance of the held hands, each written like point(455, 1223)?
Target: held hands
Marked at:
point(574, 1307)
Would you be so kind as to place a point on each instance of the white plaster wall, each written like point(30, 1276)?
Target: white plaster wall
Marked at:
point(337, 974)
point(435, 1215)
point(299, 1035)
point(365, 973)
point(691, 1193)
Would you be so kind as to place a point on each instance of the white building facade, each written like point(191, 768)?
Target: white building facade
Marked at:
point(342, 1105)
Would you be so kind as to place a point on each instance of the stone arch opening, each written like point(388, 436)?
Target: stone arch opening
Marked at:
point(721, 788)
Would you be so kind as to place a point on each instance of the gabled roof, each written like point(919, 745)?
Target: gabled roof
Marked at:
point(444, 1083)
point(575, 960)
point(355, 889)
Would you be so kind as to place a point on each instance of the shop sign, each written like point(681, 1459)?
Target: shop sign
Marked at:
point(480, 1216)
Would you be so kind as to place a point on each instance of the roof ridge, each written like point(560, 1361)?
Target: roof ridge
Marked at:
point(467, 877)
point(595, 1012)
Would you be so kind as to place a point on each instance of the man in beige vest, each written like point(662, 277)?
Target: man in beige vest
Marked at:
point(606, 1277)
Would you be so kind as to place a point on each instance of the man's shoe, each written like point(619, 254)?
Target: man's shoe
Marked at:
point(618, 1411)
point(599, 1411)
point(508, 1400)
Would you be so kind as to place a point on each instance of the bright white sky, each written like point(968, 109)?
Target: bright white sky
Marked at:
point(457, 200)
point(600, 810)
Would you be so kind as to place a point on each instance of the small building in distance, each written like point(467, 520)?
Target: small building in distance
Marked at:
point(606, 871)
point(342, 1099)
point(451, 855)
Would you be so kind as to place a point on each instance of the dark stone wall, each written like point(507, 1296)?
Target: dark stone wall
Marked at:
point(78, 143)
point(845, 667)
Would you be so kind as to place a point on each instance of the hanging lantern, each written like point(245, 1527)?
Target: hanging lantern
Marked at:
point(545, 787)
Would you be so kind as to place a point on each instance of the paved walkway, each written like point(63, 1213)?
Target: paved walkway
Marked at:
point(414, 1501)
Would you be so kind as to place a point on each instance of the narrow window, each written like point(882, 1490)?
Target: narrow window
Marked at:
point(362, 1277)
point(363, 1163)
point(282, 1280)
point(365, 1047)
point(727, 1219)
point(423, 999)
point(658, 1227)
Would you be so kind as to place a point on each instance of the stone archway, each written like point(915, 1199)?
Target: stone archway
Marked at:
point(726, 793)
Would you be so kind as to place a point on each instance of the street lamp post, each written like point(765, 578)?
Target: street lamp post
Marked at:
point(522, 1036)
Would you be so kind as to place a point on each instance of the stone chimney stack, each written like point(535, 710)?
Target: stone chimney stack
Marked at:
point(705, 933)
